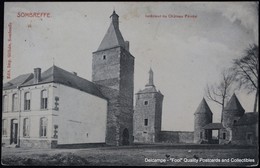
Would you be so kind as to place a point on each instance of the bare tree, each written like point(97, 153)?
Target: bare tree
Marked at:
point(220, 92)
point(246, 70)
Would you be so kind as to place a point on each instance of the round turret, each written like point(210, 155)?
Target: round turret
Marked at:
point(232, 112)
point(202, 117)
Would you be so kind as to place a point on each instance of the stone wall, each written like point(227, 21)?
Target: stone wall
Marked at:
point(158, 115)
point(106, 71)
point(144, 133)
point(38, 143)
point(240, 135)
point(126, 92)
point(176, 137)
point(186, 137)
point(115, 76)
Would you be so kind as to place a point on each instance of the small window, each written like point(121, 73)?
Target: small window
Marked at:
point(224, 135)
point(235, 121)
point(145, 132)
point(104, 57)
point(145, 122)
point(249, 136)
point(146, 102)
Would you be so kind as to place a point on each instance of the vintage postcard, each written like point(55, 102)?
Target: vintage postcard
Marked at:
point(130, 84)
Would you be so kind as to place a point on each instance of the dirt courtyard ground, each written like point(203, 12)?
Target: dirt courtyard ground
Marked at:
point(132, 156)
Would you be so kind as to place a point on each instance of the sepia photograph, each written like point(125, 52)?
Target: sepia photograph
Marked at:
point(130, 84)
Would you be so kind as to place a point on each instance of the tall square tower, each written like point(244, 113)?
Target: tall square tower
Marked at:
point(113, 72)
point(148, 113)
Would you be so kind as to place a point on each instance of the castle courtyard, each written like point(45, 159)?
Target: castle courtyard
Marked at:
point(137, 155)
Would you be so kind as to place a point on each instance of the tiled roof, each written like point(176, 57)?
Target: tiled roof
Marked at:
point(213, 126)
point(18, 81)
point(234, 105)
point(203, 107)
point(61, 76)
point(248, 119)
point(112, 38)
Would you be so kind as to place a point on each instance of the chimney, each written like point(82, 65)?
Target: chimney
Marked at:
point(127, 45)
point(37, 75)
point(115, 19)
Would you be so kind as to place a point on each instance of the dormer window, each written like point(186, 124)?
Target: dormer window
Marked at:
point(104, 57)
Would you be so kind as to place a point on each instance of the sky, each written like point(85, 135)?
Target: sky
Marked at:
point(185, 53)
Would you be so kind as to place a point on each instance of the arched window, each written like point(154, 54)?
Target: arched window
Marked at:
point(4, 127)
point(27, 101)
point(43, 127)
point(15, 102)
point(44, 99)
point(26, 127)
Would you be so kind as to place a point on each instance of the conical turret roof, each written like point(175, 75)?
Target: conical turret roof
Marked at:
point(234, 105)
point(203, 108)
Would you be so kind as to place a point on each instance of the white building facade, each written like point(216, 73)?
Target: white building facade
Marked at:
point(57, 108)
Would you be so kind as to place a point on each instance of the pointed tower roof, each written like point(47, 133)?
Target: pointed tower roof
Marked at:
point(203, 108)
point(113, 36)
point(150, 81)
point(234, 105)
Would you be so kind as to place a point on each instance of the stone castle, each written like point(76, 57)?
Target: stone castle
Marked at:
point(237, 127)
point(56, 107)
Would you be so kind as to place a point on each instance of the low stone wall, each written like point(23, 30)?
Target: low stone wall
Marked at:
point(38, 143)
point(82, 145)
point(186, 137)
point(176, 136)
